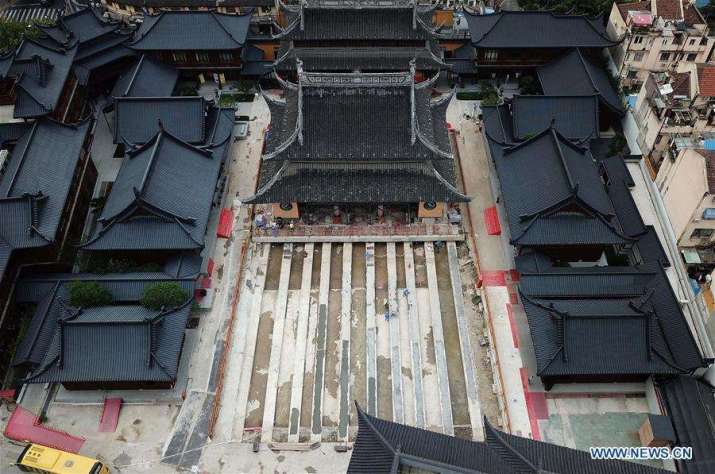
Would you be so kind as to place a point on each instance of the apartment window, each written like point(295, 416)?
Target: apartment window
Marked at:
point(692, 56)
point(632, 74)
point(664, 56)
point(709, 214)
point(637, 40)
point(491, 55)
point(638, 57)
point(691, 42)
point(701, 233)
point(703, 40)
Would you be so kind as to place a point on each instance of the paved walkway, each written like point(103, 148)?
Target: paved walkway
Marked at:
point(494, 259)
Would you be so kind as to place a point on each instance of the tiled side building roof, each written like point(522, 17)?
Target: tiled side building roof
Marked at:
point(604, 321)
point(573, 74)
point(163, 195)
point(575, 117)
point(146, 78)
point(387, 447)
point(192, 31)
point(536, 30)
point(690, 404)
point(557, 199)
point(357, 138)
point(137, 119)
point(40, 72)
point(35, 186)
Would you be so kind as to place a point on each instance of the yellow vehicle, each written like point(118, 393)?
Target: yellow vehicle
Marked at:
point(37, 458)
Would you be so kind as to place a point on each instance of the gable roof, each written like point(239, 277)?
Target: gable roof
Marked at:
point(536, 30)
point(690, 405)
point(575, 117)
point(35, 186)
point(340, 137)
point(384, 446)
point(573, 74)
point(192, 31)
point(706, 80)
point(163, 194)
point(146, 78)
point(604, 320)
point(552, 192)
point(41, 73)
point(137, 119)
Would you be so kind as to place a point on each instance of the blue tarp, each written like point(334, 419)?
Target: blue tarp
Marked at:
point(709, 144)
point(632, 101)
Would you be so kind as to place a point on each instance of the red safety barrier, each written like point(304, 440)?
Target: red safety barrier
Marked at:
point(8, 395)
point(110, 415)
point(24, 426)
point(491, 220)
point(210, 266)
point(225, 223)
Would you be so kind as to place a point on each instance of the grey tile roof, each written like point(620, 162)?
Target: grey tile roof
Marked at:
point(552, 191)
point(163, 195)
point(360, 23)
point(35, 186)
point(690, 404)
point(386, 447)
point(146, 78)
point(212, 4)
point(41, 73)
point(350, 59)
point(343, 138)
point(604, 320)
point(574, 74)
point(536, 30)
point(137, 118)
point(575, 117)
point(51, 293)
point(192, 31)
point(127, 343)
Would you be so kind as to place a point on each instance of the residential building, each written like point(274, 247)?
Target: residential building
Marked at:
point(542, 37)
point(687, 185)
point(385, 446)
point(352, 139)
point(674, 111)
point(656, 36)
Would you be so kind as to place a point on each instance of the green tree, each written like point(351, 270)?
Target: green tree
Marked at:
point(12, 32)
point(85, 294)
point(163, 295)
point(574, 7)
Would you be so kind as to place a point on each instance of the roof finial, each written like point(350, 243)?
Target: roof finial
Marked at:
point(161, 124)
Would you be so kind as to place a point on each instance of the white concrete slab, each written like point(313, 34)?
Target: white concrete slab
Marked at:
point(470, 377)
point(344, 346)
point(398, 412)
point(438, 336)
point(413, 328)
point(296, 394)
point(279, 319)
point(371, 328)
point(321, 339)
point(248, 348)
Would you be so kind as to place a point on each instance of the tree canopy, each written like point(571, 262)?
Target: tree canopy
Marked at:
point(575, 7)
point(11, 33)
